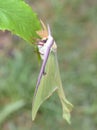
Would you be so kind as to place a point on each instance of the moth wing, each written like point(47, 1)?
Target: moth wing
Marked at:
point(50, 83)
point(66, 105)
point(47, 85)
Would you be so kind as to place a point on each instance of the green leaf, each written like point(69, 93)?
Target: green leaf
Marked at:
point(17, 17)
point(50, 83)
point(11, 108)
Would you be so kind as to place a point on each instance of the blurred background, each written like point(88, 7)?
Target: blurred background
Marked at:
point(74, 27)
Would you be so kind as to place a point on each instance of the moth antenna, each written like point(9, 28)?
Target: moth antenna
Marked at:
point(43, 25)
point(49, 30)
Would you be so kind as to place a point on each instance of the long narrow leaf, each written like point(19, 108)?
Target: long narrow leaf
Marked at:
point(10, 108)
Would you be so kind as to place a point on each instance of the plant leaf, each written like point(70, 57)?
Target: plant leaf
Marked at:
point(11, 108)
point(49, 83)
point(17, 17)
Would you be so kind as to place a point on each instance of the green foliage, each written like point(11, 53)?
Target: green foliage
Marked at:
point(16, 70)
point(10, 108)
point(17, 17)
point(75, 31)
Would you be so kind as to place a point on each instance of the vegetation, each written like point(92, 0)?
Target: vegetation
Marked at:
point(74, 25)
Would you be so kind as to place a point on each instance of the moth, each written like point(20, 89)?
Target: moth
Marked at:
point(49, 79)
point(45, 46)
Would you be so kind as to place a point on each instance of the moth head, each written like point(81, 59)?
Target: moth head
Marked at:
point(44, 33)
point(44, 40)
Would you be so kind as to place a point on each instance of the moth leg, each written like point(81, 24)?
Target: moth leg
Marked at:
point(41, 53)
point(44, 73)
point(40, 44)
